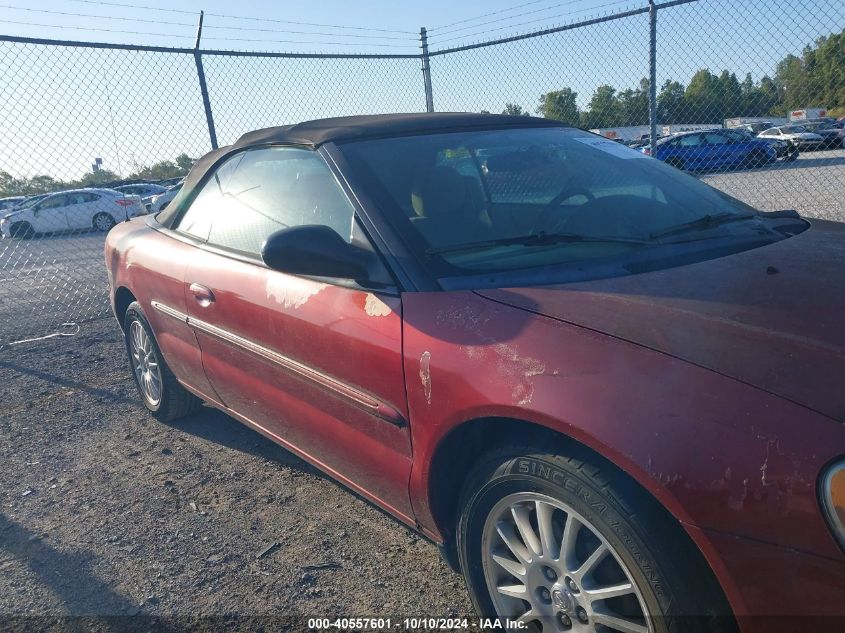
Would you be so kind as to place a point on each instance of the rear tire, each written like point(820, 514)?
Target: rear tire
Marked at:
point(159, 389)
point(103, 222)
point(677, 163)
point(651, 567)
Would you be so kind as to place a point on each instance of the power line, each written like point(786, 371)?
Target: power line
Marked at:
point(247, 39)
point(134, 6)
point(242, 17)
point(332, 26)
point(543, 19)
point(510, 17)
point(484, 15)
point(217, 39)
point(188, 24)
point(99, 17)
point(254, 29)
point(85, 28)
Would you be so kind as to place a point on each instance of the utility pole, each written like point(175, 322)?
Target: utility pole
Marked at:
point(426, 69)
point(209, 118)
point(652, 74)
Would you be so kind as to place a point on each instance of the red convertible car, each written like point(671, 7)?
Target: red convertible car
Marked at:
point(613, 395)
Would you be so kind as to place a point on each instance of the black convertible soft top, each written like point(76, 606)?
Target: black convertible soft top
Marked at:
point(353, 128)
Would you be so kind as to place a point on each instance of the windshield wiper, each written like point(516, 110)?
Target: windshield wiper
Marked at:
point(536, 239)
point(703, 223)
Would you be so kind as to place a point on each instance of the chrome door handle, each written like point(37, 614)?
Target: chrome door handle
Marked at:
point(202, 294)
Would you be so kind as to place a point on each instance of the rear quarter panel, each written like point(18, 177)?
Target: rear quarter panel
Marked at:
point(151, 265)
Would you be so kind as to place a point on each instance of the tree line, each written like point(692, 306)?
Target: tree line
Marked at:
point(815, 78)
point(11, 186)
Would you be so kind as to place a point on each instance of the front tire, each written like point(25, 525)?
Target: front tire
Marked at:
point(22, 230)
point(677, 163)
point(159, 389)
point(561, 545)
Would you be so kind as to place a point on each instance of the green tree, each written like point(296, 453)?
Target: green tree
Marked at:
point(515, 110)
point(184, 163)
point(633, 105)
point(603, 109)
point(95, 179)
point(560, 105)
point(671, 102)
point(703, 98)
point(729, 98)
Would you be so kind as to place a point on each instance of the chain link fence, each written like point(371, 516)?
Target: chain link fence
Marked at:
point(744, 95)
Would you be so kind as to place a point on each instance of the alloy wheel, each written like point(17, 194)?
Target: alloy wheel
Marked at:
point(546, 564)
point(145, 363)
point(103, 222)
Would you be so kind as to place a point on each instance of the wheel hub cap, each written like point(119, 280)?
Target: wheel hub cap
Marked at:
point(145, 364)
point(545, 564)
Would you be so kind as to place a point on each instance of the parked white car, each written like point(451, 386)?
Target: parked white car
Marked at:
point(11, 203)
point(75, 210)
point(799, 136)
point(158, 202)
point(142, 189)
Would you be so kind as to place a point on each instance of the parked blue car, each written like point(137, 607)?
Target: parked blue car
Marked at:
point(712, 149)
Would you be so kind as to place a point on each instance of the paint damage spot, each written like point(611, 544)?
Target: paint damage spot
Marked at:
point(375, 307)
point(291, 292)
point(517, 370)
point(425, 375)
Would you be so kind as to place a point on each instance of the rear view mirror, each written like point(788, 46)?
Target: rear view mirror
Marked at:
point(316, 251)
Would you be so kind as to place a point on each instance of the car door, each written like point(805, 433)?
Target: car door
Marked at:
point(719, 149)
point(315, 364)
point(690, 150)
point(49, 215)
point(78, 210)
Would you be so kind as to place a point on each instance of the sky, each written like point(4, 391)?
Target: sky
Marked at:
point(60, 107)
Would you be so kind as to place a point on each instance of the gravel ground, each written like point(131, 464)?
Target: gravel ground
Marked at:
point(104, 511)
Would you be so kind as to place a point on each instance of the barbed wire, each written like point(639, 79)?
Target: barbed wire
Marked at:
point(95, 30)
point(514, 26)
point(510, 17)
point(484, 15)
point(244, 17)
point(99, 17)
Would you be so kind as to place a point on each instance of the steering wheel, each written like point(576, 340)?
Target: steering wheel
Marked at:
point(555, 202)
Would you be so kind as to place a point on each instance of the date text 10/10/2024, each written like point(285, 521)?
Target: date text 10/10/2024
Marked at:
point(415, 624)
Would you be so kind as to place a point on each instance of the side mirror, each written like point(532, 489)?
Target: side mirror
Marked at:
point(314, 250)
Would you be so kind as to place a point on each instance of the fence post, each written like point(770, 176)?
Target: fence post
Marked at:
point(652, 73)
point(426, 69)
point(209, 118)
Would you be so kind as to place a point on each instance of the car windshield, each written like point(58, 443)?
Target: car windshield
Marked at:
point(512, 199)
point(795, 129)
point(30, 202)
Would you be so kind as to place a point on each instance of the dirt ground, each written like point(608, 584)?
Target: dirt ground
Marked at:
point(106, 512)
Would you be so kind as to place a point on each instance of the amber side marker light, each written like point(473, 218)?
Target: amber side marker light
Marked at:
point(833, 499)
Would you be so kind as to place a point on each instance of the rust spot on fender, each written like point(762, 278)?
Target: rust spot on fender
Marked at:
point(425, 375)
point(375, 307)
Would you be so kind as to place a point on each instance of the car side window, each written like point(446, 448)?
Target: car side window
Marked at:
point(691, 140)
point(261, 191)
point(714, 138)
point(53, 203)
point(196, 221)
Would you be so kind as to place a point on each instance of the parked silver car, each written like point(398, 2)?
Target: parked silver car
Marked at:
point(802, 138)
point(73, 210)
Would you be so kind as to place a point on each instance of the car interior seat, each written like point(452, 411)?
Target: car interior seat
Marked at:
point(449, 208)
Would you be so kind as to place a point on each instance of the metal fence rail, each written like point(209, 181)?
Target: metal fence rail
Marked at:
point(146, 111)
